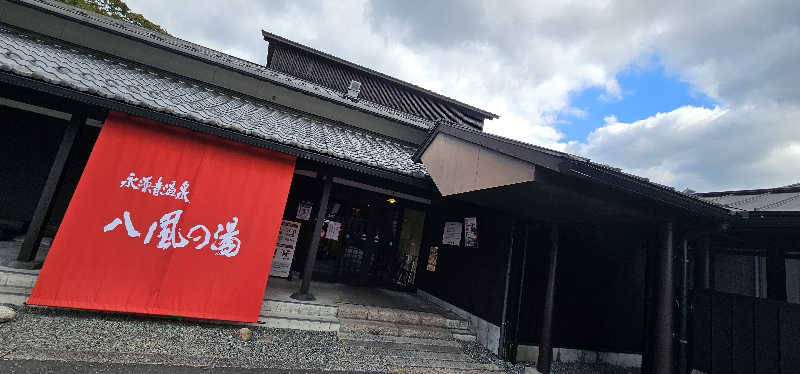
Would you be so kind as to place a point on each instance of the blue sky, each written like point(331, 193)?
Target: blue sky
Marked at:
point(646, 90)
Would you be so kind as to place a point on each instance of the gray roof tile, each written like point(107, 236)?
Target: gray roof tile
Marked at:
point(45, 59)
point(172, 43)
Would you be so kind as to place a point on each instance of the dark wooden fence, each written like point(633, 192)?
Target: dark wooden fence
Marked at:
point(741, 334)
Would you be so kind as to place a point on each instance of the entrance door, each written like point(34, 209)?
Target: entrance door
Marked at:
point(378, 243)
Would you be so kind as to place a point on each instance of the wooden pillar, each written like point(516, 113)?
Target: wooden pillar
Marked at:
point(546, 338)
point(503, 350)
point(703, 267)
point(663, 320)
point(33, 237)
point(683, 320)
point(776, 274)
point(311, 258)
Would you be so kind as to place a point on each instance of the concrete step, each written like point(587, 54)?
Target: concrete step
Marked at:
point(305, 309)
point(385, 346)
point(298, 321)
point(408, 317)
point(18, 277)
point(426, 355)
point(393, 329)
point(14, 295)
point(414, 370)
point(437, 363)
point(465, 335)
point(349, 336)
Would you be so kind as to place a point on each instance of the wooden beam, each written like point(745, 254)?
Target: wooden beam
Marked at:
point(776, 274)
point(546, 338)
point(703, 268)
point(41, 215)
point(311, 258)
point(663, 320)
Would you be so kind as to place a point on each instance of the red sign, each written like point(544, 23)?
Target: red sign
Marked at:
point(168, 221)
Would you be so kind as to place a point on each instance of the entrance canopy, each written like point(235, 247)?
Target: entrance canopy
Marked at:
point(540, 183)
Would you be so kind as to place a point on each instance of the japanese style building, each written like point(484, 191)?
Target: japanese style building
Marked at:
point(550, 255)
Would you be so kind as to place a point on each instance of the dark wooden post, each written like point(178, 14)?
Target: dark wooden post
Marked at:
point(545, 339)
point(776, 274)
point(311, 258)
point(703, 268)
point(503, 350)
point(683, 321)
point(662, 323)
point(41, 215)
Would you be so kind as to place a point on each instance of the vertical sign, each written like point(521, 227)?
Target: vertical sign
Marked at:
point(284, 249)
point(470, 231)
point(168, 221)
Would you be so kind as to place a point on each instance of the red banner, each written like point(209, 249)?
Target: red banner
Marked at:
point(168, 221)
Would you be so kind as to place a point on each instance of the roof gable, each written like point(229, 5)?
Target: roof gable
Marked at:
point(332, 72)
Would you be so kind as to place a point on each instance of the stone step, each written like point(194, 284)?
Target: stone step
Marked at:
point(385, 346)
point(393, 329)
point(17, 277)
point(414, 370)
point(465, 335)
point(427, 355)
point(306, 309)
point(440, 364)
point(11, 295)
point(408, 317)
point(298, 321)
point(344, 336)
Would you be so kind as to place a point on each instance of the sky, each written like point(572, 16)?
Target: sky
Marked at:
point(694, 94)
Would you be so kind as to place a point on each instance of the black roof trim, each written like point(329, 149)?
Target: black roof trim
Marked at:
point(576, 166)
point(794, 188)
point(106, 103)
point(271, 37)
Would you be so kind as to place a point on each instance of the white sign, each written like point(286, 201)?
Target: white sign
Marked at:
point(156, 188)
point(225, 243)
point(470, 231)
point(304, 210)
point(333, 230)
point(452, 233)
point(284, 249)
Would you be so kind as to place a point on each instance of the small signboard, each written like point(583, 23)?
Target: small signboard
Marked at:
point(433, 256)
point(304, 210)
point(284, 249)
point(332, 231)
point(452, 233)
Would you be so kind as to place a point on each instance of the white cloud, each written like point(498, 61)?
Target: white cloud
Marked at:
point(703, 148)
point(525, 60)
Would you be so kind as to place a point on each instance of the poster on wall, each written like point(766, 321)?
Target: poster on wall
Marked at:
point(470, 232)
point(332, 231)
point(304, 210)
point(433, 256)
point(452, 233)
point(284, 249)
point(168, 221)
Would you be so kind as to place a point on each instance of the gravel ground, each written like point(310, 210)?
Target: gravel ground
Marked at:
point(480, 354)
point(84, 336)
point(46, 334)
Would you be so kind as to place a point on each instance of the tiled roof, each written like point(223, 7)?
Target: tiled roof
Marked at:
point(219, 58)
point(781, 199)
point(48, 60)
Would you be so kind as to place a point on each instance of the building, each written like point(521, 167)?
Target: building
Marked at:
point(559, 256)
